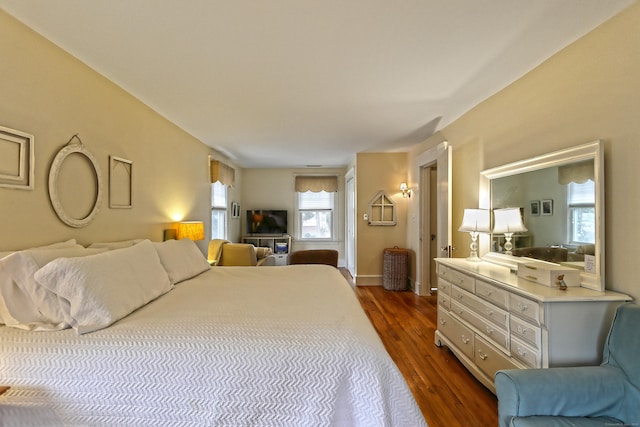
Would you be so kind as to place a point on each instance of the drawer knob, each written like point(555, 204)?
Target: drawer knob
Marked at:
point(521, 352)
point(482, 355)
point(521, 330)
point(489, 293)
point(523, 307)
point(489, 312)
point(443, 322)
point(465, 339)
point(489, 330)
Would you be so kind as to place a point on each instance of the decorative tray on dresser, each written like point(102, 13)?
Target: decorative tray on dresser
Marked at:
point(491, 319)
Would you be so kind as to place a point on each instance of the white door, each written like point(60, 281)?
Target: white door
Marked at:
point(350, 223)
point(435, 236)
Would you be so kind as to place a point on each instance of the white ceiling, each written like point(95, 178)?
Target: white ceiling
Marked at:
point(287, 83)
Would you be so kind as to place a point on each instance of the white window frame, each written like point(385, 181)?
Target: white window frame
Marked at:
point(334, 219)
point(570, 207)
point(220, 209)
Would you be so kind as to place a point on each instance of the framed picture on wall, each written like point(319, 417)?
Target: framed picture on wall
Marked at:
point(547, 207)
point(535, 207)
point(17, 157)
point(120, 183)
point(235, 210)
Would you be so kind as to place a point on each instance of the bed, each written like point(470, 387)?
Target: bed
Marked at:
point(225, 346)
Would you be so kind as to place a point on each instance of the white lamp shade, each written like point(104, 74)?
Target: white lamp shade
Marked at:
point(476, 220)
point(508, 220)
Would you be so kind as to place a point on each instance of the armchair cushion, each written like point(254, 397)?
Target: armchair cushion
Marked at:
point(591, 391)
point(546, 421)
point(224, 253)
point(238, 254)
point(215, 249)
point(579, 396)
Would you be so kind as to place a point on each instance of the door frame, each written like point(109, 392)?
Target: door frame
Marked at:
point(350, 228)
point(439, 156)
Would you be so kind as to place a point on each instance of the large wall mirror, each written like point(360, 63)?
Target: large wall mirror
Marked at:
point(561, 199)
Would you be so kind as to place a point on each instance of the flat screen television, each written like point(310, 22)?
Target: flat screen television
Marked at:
point(266, 221)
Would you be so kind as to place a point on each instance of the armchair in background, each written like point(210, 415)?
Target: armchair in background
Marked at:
point(224, 253)
point(315, 256)
point(590, 396)
point(544, 253)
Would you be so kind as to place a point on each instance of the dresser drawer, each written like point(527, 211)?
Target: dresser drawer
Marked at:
point(457, 278)
point(444, 287)
point(481, 307)
point(490, 360)
point(525, 331)
point(444, 301)
point(488, 329)
point(525, 308)
point(498, 296)
point(525, 353)
point(459, 335)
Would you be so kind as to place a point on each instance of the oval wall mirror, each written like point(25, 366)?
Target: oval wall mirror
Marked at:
point(54, 176)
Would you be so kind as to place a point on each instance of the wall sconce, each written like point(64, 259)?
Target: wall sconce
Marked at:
point(193, 230)
point(406, 191)
point(507, 221)
point(475, 221)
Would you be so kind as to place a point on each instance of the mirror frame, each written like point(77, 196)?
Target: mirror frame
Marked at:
point(592, 150)
point(56, 166)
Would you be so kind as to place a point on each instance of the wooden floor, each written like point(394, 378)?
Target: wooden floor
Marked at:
point(445, 391)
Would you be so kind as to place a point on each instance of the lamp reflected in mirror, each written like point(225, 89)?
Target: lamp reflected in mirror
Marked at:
point(508, 221)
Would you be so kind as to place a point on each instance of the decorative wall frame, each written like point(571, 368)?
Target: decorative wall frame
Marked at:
point(72, 148)
point(547, 207)
point(235, 210)
point(382, 210)
point(17, 157)
point(120, 183)
point(534, 207)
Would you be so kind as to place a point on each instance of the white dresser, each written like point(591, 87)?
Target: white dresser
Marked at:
point(491, 319)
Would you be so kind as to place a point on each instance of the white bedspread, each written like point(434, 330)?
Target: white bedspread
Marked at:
point(235, 346)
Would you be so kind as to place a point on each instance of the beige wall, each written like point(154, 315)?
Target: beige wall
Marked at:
point(375, 172)
point(51, 95)
point(274, 189)
point(587, 91)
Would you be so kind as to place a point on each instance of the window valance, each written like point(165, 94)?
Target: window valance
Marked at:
point(315, 183)
point(576, 172)
point(223, 173)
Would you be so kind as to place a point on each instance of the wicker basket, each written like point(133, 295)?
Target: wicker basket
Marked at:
point(394, 271)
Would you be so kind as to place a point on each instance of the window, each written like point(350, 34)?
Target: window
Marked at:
point(218, 210)
point(582, 212)
point(315, 215)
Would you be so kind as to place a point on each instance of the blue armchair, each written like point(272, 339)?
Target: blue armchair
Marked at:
point(606, 395)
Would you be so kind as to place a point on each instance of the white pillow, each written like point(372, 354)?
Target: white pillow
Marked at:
point(99, 290)
point(24, 303)
point(58, 245)
point(182, 259)
point(115, 245)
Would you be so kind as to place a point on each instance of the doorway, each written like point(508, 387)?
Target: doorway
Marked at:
point(350, 222)
point(434, 166)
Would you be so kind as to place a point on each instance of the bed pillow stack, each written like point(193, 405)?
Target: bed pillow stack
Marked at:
point(90, 288)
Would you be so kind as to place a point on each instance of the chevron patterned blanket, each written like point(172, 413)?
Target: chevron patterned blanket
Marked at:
point(234, 346)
